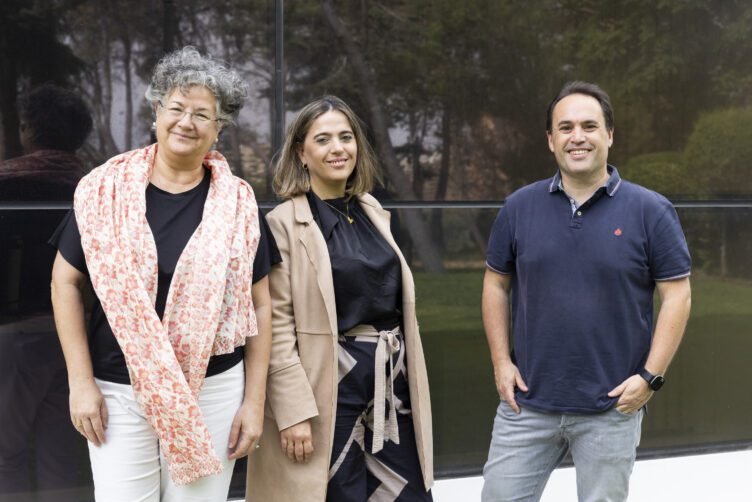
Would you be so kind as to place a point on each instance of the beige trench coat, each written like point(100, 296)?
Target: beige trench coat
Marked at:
point(303, 379)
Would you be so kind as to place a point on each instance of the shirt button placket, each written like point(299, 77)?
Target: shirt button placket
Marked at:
point(576, 221)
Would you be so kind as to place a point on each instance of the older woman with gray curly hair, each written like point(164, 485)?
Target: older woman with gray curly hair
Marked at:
point(168, 385)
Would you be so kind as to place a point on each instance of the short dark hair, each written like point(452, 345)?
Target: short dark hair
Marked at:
point(588, 89)
point(59, 119)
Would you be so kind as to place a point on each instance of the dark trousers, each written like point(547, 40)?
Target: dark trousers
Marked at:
point(41, 454)
point(356, 474)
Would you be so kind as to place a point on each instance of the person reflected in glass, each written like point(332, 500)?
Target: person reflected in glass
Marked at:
point(169, 386)
point(40, 452)
point(348, 415)
point(54, 124)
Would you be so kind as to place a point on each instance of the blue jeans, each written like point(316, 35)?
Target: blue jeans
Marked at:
point(526, 448)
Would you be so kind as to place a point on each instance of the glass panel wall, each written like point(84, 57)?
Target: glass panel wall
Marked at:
point(106, 51)
point(453, 95)
point(696, 410)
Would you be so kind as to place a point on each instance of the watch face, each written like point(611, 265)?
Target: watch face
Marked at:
point(657, 382)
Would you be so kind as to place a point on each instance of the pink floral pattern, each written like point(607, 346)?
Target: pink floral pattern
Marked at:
point(209, 306)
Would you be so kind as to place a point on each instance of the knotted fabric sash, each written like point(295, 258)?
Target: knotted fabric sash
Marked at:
point(209, 306)
point(387, 345)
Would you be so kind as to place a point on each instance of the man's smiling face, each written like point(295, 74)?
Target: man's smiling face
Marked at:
point(579, 138)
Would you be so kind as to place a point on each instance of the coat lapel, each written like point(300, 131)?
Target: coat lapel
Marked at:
point(314, 244)
point(380, 219)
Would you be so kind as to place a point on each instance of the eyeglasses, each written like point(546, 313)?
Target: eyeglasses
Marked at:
point(178, 112)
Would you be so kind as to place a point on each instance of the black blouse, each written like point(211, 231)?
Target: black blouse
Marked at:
point(365, 269)
point(173, 218)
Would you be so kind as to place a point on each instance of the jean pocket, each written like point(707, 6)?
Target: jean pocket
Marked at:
point(628, 415)
point(506, 410)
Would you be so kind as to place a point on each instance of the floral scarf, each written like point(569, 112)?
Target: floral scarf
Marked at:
point(209, 306)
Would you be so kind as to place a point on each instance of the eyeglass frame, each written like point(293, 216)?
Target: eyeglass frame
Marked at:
point(197, 115)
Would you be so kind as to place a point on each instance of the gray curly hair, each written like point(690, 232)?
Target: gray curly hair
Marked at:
point(185, 68)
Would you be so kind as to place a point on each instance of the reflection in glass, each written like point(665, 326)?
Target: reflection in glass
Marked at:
point(40, 451)
point(455, 93)
point(700, 405)
point(460, 89)
point(41, 456)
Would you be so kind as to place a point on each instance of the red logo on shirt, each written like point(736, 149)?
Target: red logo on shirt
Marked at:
point(617, 232)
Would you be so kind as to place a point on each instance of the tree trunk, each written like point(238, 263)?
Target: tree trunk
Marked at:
point(169, 26)
point(723, 259)
point(424, 246)
point(437, 215)
point(8, 95)
point(478, 237)
point(128, 90)
point(104, 130)
point(414, 155)
point(124, 37)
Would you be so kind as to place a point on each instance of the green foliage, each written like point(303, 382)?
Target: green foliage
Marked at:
point(486, 67)
point(664, 172)
point(718, 154)
point(716, 161)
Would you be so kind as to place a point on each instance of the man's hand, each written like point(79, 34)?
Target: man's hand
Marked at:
point(297, 441)
point(246, 429)
point(633, 393)
point(495, 309)
point(508, 377)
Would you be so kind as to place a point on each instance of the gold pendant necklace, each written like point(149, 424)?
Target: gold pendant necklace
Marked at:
point(349, 218)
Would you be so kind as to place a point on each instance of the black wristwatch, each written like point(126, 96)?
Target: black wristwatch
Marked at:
point(655, 382)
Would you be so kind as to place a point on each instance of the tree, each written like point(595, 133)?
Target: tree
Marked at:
point(32, 54)
point(421, 238)
point(718, 154)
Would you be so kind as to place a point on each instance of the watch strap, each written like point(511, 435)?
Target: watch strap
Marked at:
point(655, 382)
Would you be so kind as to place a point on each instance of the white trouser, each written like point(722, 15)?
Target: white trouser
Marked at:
point(128, 466)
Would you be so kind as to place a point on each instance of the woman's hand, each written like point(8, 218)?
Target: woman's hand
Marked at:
point(297, 442)
point(87, 408)
point(246, 429)
point(88, 411)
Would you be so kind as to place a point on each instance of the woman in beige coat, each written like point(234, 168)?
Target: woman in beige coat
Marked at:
point(348, 413)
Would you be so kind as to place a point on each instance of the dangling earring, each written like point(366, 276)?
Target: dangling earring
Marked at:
point(154, 126)
point(305, 167)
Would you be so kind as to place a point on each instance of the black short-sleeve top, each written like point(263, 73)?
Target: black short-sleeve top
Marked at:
point(172, 218)
point(365, 269)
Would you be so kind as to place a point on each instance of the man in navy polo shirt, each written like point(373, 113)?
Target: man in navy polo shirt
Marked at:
point(580, 255)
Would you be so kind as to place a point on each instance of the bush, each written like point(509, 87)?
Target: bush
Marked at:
point(718, 154)
point(664, 172)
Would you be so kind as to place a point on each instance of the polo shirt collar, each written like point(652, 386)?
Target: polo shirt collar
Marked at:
point(612, 185)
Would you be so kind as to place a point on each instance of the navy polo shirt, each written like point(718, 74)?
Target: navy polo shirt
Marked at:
point(582, 291)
